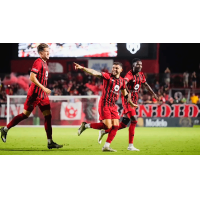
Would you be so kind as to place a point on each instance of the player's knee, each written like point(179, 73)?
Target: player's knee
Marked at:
point(46, 112)
point(109, 126)
point(125, 121)
point(133, 118)
point(27, 113)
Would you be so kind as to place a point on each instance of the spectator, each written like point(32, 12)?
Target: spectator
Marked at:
point(2, 95)
point(162, 99)
point(185, 79)
point(194, 98)
point(69, 76)
point(166, 95)
point(184, 100)
point(9, 90)
point(170, 101)
point(194, 80)
point(165, 88)
point(148, 100)
point(140, 100)
point(156, 87)
point(154, 100)
point(176, 100)
point(167, 76)
point(79, 78)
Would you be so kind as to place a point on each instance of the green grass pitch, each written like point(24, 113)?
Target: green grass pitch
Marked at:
point(150, 141)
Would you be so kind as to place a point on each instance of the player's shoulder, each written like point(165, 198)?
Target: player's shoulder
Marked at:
point(141, 73)
point(130, 72)
point(106, 74)
point(37, 61)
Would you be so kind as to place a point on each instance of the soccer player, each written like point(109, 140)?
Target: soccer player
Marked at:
point(133, 79)
point(37, 95)
point(112, 84)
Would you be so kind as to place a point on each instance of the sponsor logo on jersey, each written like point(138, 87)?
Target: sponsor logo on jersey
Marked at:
point(116, 88)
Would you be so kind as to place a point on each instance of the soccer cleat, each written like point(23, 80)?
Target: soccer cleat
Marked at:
point(132, 149)
point(101, 134)
point(82, 128)
point(108, 149)
point(3, 134)
point(53, 145)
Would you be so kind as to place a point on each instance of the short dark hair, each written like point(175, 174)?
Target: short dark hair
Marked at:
point(135, 60)
point(118, 63)
point(41, 47)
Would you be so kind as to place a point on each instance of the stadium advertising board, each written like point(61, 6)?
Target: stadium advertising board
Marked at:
point(100, 65)
point(80, 50)
point(150, 115)
point(165, 122)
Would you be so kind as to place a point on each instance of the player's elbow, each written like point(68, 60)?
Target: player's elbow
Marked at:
point(32, 77)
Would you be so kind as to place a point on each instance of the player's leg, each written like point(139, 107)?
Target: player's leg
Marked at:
point(111, 135)
point(102, 114)
point(106, 115)
point(85, 126)
point(123, 124)
point(132, 126)
point(45, 108)
point(115, 126)
point(17, 119)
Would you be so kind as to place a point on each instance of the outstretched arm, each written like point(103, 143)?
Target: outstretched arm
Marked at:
point(90, 71)
point(125, 94)
point(151, 91)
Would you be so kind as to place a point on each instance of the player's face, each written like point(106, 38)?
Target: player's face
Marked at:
point(116, 70)
point(137, 66)
point(45, 54)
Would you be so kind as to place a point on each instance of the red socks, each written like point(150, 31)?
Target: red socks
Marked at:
point(132, 131)
point(112, 134)
point(47, 126)
point(98, 126)
point(16, 120)
point(122, 125)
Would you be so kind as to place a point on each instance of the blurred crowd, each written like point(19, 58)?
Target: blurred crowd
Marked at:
point(84, 84)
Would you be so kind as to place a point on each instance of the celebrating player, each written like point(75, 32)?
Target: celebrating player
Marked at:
point(133, 79)
point(37, 95)
point(112, 84)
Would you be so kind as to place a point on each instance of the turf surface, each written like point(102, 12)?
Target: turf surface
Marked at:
point(150, 141)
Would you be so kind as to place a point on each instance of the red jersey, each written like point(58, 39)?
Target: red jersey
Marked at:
point(111, 88)
point(41, 69)
point(134, 85)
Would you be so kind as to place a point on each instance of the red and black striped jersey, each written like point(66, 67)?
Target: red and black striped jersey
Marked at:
point(134, 85)
point(111, 88)
point(41, 69)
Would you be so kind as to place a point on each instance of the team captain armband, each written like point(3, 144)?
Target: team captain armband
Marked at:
point(34, 70)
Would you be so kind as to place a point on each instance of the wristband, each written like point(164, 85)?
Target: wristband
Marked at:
point(126, 97)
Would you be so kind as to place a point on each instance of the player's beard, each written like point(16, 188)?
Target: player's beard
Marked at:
point(114, 73)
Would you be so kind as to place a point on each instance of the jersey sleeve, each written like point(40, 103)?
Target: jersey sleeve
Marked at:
point(129, 76)
point(36, 67)
point(123, 85)
point(105, 75)
point(143, 78)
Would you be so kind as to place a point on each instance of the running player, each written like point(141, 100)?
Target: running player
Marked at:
point(37, 95)
point(112, 84)
point(133, 79)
